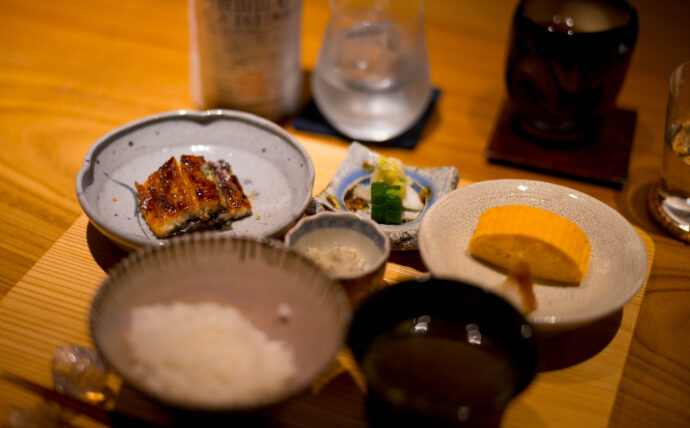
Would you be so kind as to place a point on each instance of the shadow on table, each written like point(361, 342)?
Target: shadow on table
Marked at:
point(104, 251)
point(408, 258)
point(631, 201)
point(578, 345)
point(338, 404)
point(107, 254)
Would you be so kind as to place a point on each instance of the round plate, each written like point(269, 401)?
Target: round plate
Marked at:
point(275, 171)
point(618, 264)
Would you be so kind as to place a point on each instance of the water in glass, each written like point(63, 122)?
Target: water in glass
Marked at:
point(372, 79)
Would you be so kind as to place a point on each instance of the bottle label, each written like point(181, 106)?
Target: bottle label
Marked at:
point(245, 55)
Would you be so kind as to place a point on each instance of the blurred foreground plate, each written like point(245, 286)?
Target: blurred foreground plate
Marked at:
point(283, 294)
point(618, 264)
point(276, 172)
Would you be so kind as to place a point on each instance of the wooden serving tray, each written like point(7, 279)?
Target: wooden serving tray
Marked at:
point(577, 382)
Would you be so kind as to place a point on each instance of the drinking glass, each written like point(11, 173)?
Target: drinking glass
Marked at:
point(669, 201)
point(567, 61)
point(371, 80)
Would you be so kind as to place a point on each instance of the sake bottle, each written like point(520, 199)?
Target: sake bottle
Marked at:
point(245, 55)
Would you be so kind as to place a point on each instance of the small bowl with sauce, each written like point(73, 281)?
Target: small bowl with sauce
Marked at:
point(441, 353)
point(351, 249)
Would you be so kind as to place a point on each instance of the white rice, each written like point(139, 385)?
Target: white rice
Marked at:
point(206, 354)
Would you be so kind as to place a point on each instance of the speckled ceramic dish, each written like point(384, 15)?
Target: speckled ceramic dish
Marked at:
point(438, 182)
point(281, 293)
point(361, 246)
point(275, 171)
point(618, 264)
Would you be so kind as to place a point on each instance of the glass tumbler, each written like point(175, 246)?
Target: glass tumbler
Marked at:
point(669, 201)
point(372, 79)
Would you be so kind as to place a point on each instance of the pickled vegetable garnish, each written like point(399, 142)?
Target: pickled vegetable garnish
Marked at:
point(386, 203)
point(391, 172)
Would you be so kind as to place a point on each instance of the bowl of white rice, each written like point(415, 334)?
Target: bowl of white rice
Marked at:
point(211, 323)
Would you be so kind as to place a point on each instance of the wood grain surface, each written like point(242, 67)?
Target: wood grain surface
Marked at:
point(73, 70)
point(49, 307)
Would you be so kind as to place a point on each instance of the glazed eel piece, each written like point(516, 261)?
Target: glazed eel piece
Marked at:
point(191, 195)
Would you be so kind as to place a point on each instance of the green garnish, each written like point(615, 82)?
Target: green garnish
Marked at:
point(393, 217)
point(378, 213)
point(386, 203)
point(378, 193)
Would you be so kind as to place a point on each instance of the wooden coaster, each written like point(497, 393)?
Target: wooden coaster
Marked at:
point(657, 213)
point(602, 159)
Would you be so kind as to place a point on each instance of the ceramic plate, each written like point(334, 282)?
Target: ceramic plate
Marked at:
point(279, 291)
point(438, 181)
point(275, 171)
point(618, 264)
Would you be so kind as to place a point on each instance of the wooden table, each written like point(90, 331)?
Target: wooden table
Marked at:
point(71, 71)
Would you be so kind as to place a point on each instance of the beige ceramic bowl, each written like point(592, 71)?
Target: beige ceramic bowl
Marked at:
point(256, 277)
point(322, 233)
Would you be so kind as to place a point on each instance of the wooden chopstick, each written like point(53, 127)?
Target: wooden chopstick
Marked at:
point(94, 412)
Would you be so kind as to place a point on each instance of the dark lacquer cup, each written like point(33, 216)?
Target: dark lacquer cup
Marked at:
point(566, 64)
point(441, 353)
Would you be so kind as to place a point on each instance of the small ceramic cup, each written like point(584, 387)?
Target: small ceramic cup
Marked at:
point(352, 249)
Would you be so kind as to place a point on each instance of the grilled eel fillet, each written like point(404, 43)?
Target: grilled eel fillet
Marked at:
point(190, 195)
